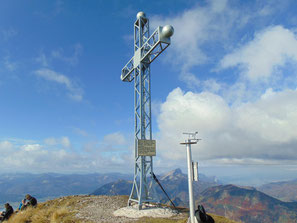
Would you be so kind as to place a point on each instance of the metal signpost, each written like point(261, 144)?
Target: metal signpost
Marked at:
point(146, 49)
point(192, 173)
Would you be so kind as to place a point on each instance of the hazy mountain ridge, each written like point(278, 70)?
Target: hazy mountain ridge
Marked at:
point(284, 190)
point(247, 205)
point(13, 187)
point(174, 182)
point(120, 187)
point(240, 203)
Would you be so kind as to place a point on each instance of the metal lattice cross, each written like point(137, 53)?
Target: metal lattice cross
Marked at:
point(146, 49)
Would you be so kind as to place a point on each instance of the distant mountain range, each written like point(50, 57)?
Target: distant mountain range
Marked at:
point(120, 187)
point(175, 184)
point(247, 205)
point(244, 204)
point(13, 187)
point(284, 191)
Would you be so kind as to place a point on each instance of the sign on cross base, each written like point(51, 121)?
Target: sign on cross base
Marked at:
point(146, 147)
point(146, 49)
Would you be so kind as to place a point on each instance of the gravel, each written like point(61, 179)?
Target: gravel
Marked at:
point(114, 209)
point(155, 212)
point(101, 208)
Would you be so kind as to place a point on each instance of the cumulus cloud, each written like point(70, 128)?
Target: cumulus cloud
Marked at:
point(31, 147)
point(111, 143)
point(201, 33)
point(115, 139)
point(246, 117)
point(53, 155)
point(194, 28)
point(64, 141)
point(206, 32)
point(6, 147)
point(74, 91)
point(51, 141)
point(212, 85)
point(260, 132)
point(270, 49)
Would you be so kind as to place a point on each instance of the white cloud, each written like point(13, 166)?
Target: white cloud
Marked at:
point(72, 59)
point(203, 34)
point(111, 154)
point(59, 55)
point(272, 118)
point(270, 49)
point(31, 147)
point(115, 139)
point(212, 85)
point(194, 28)
point(5, 147)
point(190, 79)
point(74, 91)
point(260, 132)
point(242, 121)
point(80, 132)
point(51, 141)
point(64, 141)
point(42, 59)
point(200, 35)
point(111, 143)
point(39, 157)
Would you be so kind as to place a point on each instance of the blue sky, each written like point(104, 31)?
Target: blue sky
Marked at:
point(230, 73)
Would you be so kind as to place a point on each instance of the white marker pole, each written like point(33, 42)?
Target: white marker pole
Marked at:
point(191, 140)
point(190, 181)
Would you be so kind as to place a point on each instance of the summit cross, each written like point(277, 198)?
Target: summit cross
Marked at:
point(146, 49)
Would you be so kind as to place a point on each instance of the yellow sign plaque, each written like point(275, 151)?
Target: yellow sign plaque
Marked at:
point(146, 147)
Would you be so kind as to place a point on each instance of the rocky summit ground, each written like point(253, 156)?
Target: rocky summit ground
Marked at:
point(101, 208)
point(91, 209)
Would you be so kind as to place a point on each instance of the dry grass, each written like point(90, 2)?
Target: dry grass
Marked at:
point(183, 218)
point(64, 210)
point(218, 219)
point(61, 210)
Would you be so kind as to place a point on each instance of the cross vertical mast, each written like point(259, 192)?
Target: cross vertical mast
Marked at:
point(146, 49)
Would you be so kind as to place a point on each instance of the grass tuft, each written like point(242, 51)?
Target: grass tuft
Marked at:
point(61, 210)
point(64, 210)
